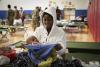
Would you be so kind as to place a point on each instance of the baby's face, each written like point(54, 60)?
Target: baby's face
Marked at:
point(32, 40)
point(29, 41)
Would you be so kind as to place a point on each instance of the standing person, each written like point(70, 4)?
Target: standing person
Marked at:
point(40, 12)
point(17, 17)
point(38, 15)
point(58, 13)
point(10, 17)
point(35, 18)
point(22, 15)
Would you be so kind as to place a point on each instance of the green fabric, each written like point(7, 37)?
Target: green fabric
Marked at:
point(46, 63)
point(3, 29)
point(50, 59)
point(17, 44)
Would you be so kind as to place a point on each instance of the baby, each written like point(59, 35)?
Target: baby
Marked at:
point(32, 40)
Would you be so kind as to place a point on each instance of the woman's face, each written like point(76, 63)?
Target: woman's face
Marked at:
point(47, 21)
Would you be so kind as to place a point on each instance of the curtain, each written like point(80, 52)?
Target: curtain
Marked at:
point(94, 19)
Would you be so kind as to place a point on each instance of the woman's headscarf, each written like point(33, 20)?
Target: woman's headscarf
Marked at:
point(56, 35)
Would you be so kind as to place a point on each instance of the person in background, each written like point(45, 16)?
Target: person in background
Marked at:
point(21, 10)
point(40, 12)
point(22, 15)
point(10, 17)
point(38, 9)
point(17, 17)
point(82, 20)
point(35, 18)
point(58, 13)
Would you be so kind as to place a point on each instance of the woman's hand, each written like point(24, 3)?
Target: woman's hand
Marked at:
point(58, 47)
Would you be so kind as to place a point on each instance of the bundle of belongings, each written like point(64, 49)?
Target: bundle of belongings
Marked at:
point(39, 52)
point(6, 54)
point(28, 55)
point(37, 55)
point(34, 55)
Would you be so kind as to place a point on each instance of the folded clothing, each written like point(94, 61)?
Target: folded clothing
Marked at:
point(11, 54)
point(7, 51)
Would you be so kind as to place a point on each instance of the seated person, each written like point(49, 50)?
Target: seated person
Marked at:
point(33, 44)
point(48, 32)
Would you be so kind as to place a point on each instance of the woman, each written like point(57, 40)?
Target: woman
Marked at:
point(22, 13)
point(48, 32)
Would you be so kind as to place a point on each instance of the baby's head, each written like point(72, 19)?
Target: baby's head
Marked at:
point(31, 40)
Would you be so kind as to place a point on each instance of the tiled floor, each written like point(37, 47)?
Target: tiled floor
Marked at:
point(84, 36)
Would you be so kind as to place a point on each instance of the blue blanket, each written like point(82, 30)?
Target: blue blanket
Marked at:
point(39, 52)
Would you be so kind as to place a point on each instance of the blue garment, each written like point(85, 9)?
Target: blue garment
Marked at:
point(39, 52)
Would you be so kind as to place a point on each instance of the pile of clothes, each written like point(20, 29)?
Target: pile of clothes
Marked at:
point(34, 56)
point(6, 54)
point(26, 57)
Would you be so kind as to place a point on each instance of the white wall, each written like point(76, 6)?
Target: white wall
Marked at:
point(80, 4)
point(31, 4)
point(26, 4)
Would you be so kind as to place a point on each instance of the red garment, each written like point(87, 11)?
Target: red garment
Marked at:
point(11, 54)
